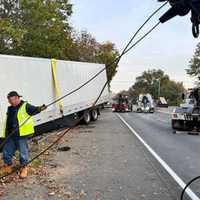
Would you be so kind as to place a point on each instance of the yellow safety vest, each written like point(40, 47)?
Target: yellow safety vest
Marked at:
point(25, 121)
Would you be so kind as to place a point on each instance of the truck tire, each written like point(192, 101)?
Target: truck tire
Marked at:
point(173, 124)
point(131, 110)
point(94, 115)
point(152, 111)
point(177, 125)
point(86, 117)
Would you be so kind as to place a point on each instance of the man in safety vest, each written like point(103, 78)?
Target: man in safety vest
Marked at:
point(18, 127)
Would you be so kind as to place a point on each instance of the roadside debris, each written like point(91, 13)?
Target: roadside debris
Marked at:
point(64, 148)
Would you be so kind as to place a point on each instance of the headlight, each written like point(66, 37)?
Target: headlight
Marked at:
point(178, 116)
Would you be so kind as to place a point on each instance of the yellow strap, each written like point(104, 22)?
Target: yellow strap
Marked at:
point(55, 84)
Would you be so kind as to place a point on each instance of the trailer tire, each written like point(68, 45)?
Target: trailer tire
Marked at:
point(86, 117)
point(94, 115)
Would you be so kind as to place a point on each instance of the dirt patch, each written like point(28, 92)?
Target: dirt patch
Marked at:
point(39, 185)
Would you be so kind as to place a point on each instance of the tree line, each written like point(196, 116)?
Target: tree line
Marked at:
point(149, 82)
point(42, 28)
point(158, 84)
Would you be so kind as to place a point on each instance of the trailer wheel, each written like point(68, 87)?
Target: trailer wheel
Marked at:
point(94, 115)
point(86, 117)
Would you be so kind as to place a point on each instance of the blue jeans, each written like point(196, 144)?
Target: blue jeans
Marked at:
point(10, 148)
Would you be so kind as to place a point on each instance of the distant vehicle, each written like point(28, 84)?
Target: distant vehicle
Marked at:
point(162, 103)
point(145, 104)
point(186, 117)
point(122, 104)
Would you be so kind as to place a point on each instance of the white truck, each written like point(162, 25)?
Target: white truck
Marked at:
point(41, 81)
point(186, 117)
point(145, 104)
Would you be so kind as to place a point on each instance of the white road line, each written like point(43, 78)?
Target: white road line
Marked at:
point(163, 121)
point(181, 183)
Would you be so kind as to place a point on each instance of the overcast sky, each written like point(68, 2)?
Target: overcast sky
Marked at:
point(169, 48)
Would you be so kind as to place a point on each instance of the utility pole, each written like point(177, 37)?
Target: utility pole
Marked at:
point(159, 87)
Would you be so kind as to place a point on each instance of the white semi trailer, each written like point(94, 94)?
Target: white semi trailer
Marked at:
point(41, 81)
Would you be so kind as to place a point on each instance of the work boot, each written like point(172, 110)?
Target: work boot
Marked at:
point(6, 169)
point(24, 172)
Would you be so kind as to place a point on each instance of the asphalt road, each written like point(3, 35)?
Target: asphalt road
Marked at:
point(180, 151)
point(108, 161)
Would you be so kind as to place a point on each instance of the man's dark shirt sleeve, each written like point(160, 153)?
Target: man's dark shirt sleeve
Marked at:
point(32, 110)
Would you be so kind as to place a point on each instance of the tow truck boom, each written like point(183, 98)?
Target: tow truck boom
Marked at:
point(182, 8)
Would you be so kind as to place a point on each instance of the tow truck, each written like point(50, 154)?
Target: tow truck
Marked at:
point(186, 117)
point(122, 104)
point(145, 104)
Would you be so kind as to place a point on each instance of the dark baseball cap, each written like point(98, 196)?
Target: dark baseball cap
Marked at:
point(13, 94)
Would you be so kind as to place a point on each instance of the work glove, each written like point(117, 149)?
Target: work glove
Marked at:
point(43, 107)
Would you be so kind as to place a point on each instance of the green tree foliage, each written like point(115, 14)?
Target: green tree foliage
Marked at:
point(10, 32)
point(41, 29)
point(86, 47)
point(107, 53)
point(46, 29)
point(89, 50)
point(194, 64)
point(148, 82)
point(9, 36)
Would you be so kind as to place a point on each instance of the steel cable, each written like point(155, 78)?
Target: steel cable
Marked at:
point(125, 51)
